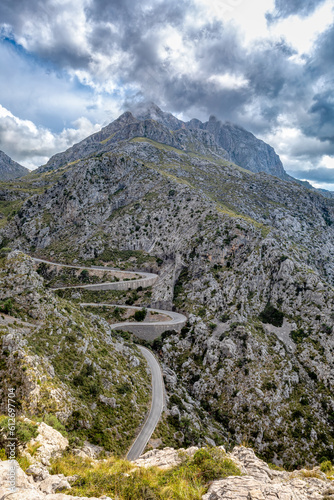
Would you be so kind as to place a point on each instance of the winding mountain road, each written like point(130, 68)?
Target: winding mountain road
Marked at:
point(145, 280)
point(157, 405)
point(147, 330)
point(143, 329)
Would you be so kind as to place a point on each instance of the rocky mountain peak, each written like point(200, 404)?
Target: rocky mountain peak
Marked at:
point(225, 140)
point(152, 112)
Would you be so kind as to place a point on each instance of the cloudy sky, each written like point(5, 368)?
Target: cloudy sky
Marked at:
point(69, 67)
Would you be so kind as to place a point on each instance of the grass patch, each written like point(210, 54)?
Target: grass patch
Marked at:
point(120, 479)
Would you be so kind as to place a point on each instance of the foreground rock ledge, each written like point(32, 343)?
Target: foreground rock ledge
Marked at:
point(258, 481)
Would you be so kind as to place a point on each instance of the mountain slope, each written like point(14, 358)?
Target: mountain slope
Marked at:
point(128, 127)
point(244, 148)
point(9, 169)
point(68, 363)
point(246, 256)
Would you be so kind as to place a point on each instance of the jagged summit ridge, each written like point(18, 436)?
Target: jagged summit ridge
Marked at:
point(222, 140)
point(152, 112)
point(242, 146)
point(128, 127)
point(10, 169)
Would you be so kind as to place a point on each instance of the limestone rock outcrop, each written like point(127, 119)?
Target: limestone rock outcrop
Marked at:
point(50, 444)
point(262, 483)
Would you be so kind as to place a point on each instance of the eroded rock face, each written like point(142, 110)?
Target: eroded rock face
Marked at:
point(257, 482)
point(262, 483)
point(51, 443)
point(247, 488)
point(38, 486)
point(128, 127)
point(223, 139)
point(244, 148)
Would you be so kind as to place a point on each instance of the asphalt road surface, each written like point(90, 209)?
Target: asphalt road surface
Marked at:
point(156, 407)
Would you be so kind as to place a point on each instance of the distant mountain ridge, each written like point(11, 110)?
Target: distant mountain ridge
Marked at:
point(213, 137)
point(244, 148)
point(10, 169)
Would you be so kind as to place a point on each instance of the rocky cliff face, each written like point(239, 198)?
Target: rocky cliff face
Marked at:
point(9, 169)
point(128, 127)
point(253, 479)
point(244, 148)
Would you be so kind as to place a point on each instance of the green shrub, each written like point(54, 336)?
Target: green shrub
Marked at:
point(53, 421)
point(118, 478)
point(124, 388)
point(298, 335)
point(202, 312)
point(179, 285)
point(225, 317)
point(212, 464)
point(84, 276)
point(5, 251)
point(7, 306)
point(140, 315)
point(24, 431)
point(326, 466)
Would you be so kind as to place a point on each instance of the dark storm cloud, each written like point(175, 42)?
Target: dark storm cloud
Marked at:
point(286, 8)
point(14, 13)
point(322, 117)
point(321, 175)
point(272, 78)
point(320, 68)
point(135, 29)
point(217, 49)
